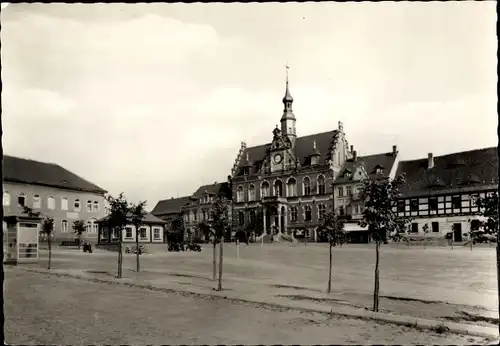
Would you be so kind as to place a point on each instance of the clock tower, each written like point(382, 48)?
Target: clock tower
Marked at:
point(288, 118)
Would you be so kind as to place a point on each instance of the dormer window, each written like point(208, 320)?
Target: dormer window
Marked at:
point(378, 170)
point(245, 171)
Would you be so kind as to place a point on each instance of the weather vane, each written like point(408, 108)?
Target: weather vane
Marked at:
point(287, 67)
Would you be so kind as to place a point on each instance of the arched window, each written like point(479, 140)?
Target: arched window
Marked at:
point(239, 194)
point(91, 226)
point(321, 185)
point(64, 226)
point(51, 202)
point(307, 186)
point(241, 218)
point(21, 199)
point(252, 217)
point(64, 203)
point(307, 213)
point(278, 188)
point(89, 206)
point(321, 211)
point(291, 187)
point(37, 202)
point(293, 214)
point(77, 205)
point(6, 198)
point(96, 206)
point(251, 193)
point(264, 189)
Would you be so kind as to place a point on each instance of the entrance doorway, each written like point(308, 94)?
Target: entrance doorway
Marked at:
point(457, 232)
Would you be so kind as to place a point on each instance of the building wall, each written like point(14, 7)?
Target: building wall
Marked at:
point(13, 190)
point(129, 234)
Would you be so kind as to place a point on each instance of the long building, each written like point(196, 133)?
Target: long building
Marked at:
point(54, 191)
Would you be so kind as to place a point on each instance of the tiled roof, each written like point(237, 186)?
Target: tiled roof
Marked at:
point(370, 163)
point(303, 150)
point(170, 206)
point(148, 218)
point(212, 189)
point(452, 171)
point(47, 174)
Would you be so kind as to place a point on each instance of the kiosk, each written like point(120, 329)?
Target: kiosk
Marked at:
point(21, 240)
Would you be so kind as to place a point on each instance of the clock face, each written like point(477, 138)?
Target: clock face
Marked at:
point(277, 158)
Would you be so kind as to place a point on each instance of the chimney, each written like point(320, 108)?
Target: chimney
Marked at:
point(171, 197)
point(394, 150)
point(354, 156)
point(352, 148)
point(430, 161)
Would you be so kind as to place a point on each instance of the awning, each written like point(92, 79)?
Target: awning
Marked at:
point(354, 227)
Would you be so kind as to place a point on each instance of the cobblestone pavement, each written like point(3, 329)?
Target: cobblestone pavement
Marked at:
point(45, 309)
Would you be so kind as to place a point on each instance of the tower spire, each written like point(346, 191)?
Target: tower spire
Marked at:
point(288, 99)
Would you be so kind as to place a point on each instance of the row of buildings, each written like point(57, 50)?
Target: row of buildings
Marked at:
point(280, 188)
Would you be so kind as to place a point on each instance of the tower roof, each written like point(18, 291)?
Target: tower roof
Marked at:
point(288, 97)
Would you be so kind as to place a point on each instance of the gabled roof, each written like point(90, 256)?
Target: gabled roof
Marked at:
point(170, 206)
point(26, 171)
point(370, 162)
point(213, 189)
point(148, 219)
point(303, 150)
point(453, 171)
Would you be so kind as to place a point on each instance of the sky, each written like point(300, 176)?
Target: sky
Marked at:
point(155, 99)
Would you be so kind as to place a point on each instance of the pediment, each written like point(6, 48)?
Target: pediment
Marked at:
point(360, 173)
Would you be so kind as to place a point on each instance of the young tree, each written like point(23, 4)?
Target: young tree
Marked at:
point(137, 215)
point(489, 210)
point(48, 229)
point(117, 219)
point(425, 228)
point(209, 233)
point(380, 196)
point(219, 224)
point(333, 230)
point(79, 229)
point(177, 234)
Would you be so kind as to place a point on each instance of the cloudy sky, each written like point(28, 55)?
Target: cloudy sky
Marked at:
point(154, 99)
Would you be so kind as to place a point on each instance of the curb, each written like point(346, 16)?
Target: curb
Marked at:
point(401, 320)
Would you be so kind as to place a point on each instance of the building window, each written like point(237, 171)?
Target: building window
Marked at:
point(264, 189)
point(401, 206)
point(341, 210)
point(348, 190)
point(456, 202)
point(341, 191)
point(96, 206)
point(37, 202)
point(414, 227)
point(195, 215)
point(64, 226)
point(433, 203)
point(435, 227)
point(252, 217)
point(321, 211)
point(307, 186)
point(64, 203)
point(308, 213)
point(128, 232)
point(143, 233)
point(291, 187)
point(239, 194)
point(77, 204)
point(241, 218)
point(51, 202)
point(156, 234)
point(321, 185)
point(294, 214)
point(21, 199)
point(89, 206)
point(251, 193)
point(6, 198)
point(278, 188)
point(95, 227)
point(414, 205)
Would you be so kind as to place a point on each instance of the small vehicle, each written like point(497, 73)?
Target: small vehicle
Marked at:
point(193, 247)
point(87, 247)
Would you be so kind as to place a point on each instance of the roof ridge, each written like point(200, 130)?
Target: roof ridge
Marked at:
point(451, 154)
point(306, 136)
point(25, 159)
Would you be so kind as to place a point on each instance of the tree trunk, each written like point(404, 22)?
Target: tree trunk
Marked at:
point(221, 257)
point(376, 288)
point(49, 243)
point(215, 261)
point(330, 271)
point(79, 241)
point(120, 255)
point(424, 241)
point(137, 250)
